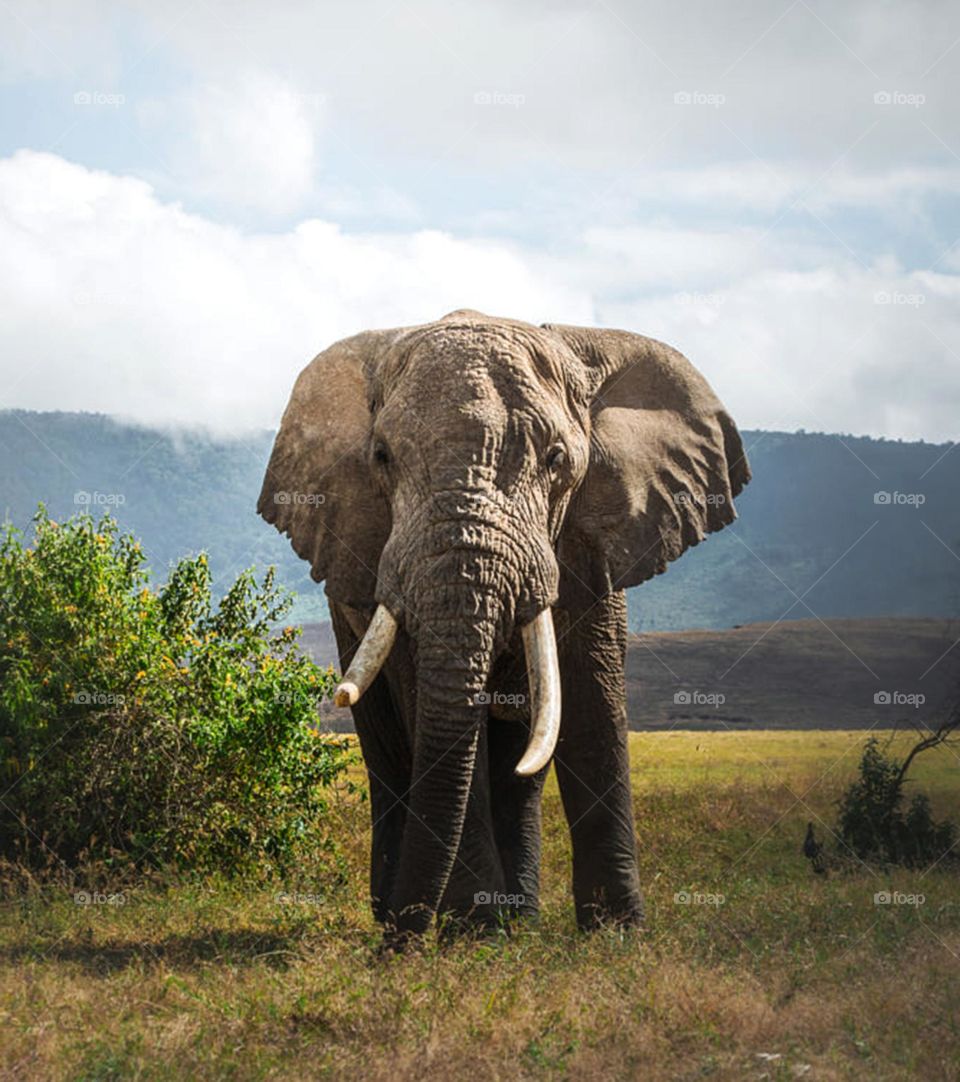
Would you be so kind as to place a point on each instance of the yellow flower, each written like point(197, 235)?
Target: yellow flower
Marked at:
point(140, 675)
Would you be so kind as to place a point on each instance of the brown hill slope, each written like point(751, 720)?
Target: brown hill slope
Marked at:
point(798, 674)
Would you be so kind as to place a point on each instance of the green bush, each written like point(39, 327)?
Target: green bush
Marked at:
point(873, 823)
point(146, 727)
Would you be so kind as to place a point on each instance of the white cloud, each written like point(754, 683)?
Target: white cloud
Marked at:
point(58, 39)
point(755, 233)
point(669, 256)
point(249, 143)
point(762, 189)
point(598, 81)
point(113, 301)
point(837, 349)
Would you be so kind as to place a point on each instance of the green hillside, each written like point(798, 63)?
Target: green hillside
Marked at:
point(809, 514)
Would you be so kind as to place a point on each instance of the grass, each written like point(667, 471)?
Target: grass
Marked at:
point(792, 976)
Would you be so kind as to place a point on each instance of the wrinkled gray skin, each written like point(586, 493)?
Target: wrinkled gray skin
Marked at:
point(468, 473)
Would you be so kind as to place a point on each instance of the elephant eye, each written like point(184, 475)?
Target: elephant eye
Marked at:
point(380, 453)
point(555, 459)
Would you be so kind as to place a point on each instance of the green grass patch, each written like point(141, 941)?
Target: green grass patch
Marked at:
point(750, 965)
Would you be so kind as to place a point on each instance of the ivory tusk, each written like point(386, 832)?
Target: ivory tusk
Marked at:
point(543, 675)
point(372, 652)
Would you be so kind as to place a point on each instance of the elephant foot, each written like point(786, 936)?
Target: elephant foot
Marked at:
point(396, 942)
point(488, 924)
point(452, 932)
point(404, 930)
point(605, 913)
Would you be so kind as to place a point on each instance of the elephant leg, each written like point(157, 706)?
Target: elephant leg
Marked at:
point(593, 767)
point(476, 881)
point(388, 761)
point(516, 815)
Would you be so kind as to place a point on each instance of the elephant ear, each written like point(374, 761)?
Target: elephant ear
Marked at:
point(666, 461)
point(318, 489)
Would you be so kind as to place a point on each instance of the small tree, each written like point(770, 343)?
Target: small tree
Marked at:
point(152, 727)
point(872, 820)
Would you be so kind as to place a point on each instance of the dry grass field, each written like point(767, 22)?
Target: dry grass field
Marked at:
point(750, 967)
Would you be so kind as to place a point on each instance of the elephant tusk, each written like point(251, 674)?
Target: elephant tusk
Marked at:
point(543, 674)
point(372, 652)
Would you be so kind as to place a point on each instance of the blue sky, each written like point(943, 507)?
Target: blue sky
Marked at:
point(194, 199)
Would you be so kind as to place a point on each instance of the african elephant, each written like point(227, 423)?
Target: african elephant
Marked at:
point(477, 493)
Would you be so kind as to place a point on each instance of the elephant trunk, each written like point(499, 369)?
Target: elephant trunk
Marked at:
point(460, 587)
point(456, 632)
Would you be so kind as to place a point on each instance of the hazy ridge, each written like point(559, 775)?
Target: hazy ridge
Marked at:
point(809, 525)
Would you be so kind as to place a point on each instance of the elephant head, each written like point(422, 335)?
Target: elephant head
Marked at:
point(460, 478)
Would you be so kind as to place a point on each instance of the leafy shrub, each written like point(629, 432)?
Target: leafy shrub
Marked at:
point(143, 727)
point(873, 823)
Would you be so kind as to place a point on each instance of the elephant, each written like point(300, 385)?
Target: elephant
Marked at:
point(477, 493)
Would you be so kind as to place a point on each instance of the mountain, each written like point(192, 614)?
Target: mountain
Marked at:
point(830, 526)
point(179, 492)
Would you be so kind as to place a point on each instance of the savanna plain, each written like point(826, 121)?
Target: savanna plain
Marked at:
point(751, 965)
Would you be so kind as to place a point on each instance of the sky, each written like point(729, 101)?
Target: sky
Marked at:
point(196, 198)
